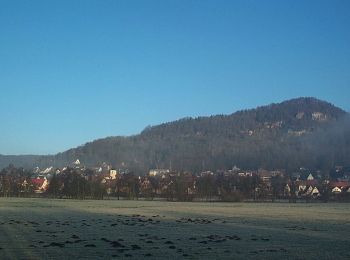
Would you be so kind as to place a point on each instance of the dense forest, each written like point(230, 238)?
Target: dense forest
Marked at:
point(303, 132)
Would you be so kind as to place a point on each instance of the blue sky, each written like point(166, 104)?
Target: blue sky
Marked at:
point(74, 71)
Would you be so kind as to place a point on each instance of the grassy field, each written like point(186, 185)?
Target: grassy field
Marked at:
point(69, 229)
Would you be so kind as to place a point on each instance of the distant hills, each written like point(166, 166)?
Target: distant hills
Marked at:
point(302, 132)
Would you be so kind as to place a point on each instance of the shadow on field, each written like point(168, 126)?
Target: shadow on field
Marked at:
point(41, 231)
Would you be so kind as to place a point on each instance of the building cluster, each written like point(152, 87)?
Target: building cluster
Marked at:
point(78, 181)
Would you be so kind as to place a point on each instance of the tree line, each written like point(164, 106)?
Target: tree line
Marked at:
point(75, 183)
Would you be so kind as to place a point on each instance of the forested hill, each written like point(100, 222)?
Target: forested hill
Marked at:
point(300, 132)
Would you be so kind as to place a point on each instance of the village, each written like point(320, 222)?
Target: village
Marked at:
point(79, 182)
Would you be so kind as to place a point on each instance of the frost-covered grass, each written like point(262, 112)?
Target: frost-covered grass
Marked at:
point(66, 229)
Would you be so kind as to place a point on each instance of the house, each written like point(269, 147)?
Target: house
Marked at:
point(301, 186)
point(145, 184)
point(338, 187)
point(24, 186)
point(287, 190)
point(157, 172)
point(336, 190)
point(77, 162)
point(310, 177)
point(264, 175)
point(235, 169)
point(40, 184)
point(245, 174)
point(47, 170)
point(113, 174)
point(207, 173)
point(309, 190)
point(306, 190)
point(107, 177)
point(312, 191)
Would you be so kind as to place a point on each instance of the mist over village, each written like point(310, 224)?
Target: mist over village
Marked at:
point(78, 182)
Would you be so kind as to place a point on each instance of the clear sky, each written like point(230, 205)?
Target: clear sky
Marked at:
point(74, 71)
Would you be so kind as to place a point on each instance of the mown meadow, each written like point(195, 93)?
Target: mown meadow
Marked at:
point(108, 229)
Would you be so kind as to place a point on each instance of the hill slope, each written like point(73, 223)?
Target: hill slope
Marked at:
point(299, 132)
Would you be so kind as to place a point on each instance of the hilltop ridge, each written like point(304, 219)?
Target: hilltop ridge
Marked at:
point(286, 135)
